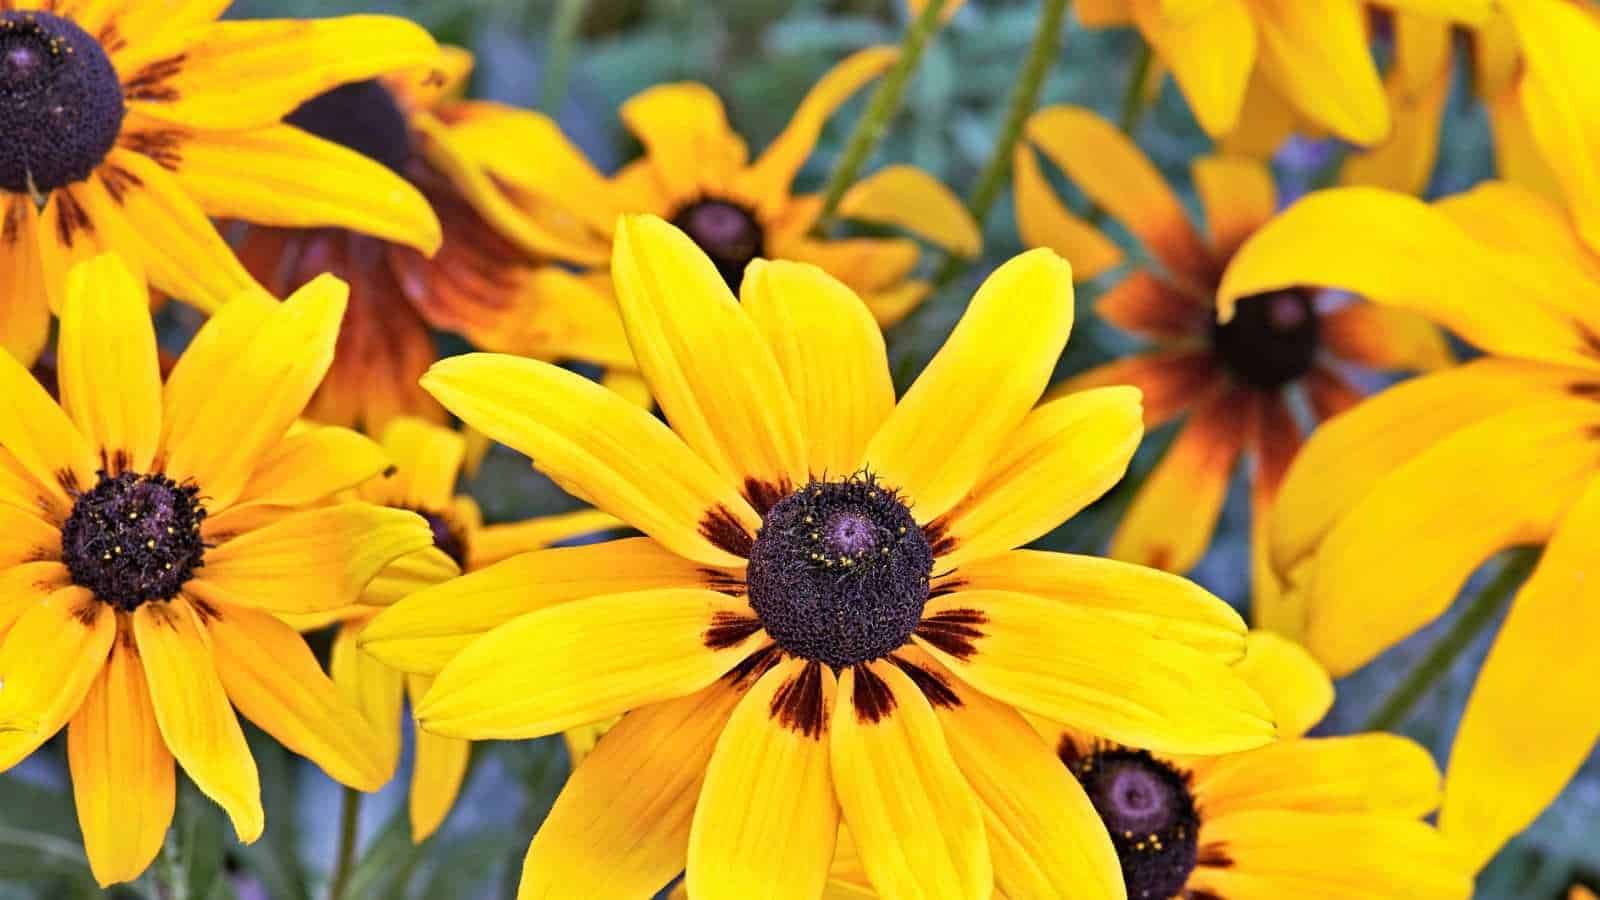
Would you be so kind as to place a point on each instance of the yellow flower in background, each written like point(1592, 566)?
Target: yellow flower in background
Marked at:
point(151, 534)
point(172, 117)
point(827, 613)
point(479, 284)
point(427, 460)
point(1233, 384)
point(697, 174)
point(1392, 506)
point(1275, 57)
point(1579, 892)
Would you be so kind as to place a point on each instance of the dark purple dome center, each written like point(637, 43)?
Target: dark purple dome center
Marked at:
point(362, 116)
point(727, 232)
point(1272, 339)
point(1150, 813)
point(60, 103)
point(134, 538)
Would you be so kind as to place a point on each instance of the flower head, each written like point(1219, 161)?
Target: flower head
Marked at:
point(150, 535)
point(827, 613)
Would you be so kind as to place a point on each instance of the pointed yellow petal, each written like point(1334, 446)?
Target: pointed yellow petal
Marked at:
point(495, 543)
point(1210, 53)
point(602, 449)
point(28, 538)
point(68, 235)
point(1291, 681)
point(313, 464)
point(979, 386)
point(1044, 221)
point(767, 819)
point(832, 357)
point(909, 198)
point(582, 661)
point(24, 300)
point(427, 459)
point(408, 575)
point(1238, 195)
point(197, 723)
point(1360, 773)
point(40, 437)
point(109, 375)
point(22, 587)
point(1318, 58)
point(1094, 673)
point(916, 821)
point(50, 659)
point(1418, 87)
point(685, 131)
point(437, 771)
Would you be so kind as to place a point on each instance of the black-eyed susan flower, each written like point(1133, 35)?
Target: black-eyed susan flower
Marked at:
point(1391, 507)
point(149, 535)
point(696, 173)
point(479, 284)
point(827, 613)
point(128, 124)
point(1277, 58)
point(1232, 383)
point(427, 460)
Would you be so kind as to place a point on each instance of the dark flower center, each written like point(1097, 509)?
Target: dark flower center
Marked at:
point(1272, 339)
point(446, 537)
point(1150, 813)
point(363, 116)
point(60, 103)
point(727, 232)
point(134, 538)
point(839, 571)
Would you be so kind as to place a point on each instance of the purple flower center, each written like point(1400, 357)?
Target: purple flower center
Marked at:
point(134, 538)
point(727, 232)
point(60, 102)
point(362, 116)
point(1150, 814)
point(1272, 339)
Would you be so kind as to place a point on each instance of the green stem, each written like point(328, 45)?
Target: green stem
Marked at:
point(349, 824)
point(1133, 96)
point(1441, 656)
point(558, 54)
point(172, 880)
point(884, 104)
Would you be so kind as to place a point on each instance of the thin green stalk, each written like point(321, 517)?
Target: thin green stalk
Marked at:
point(1133, 96)
point(349, 824)
point(558, 53)
point(172, 881)
point(1441, 656)
point(884, 104)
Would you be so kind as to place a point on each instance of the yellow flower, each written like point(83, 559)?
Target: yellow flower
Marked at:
point(545, 195)
point(427, 460)
point(151, 534)
point(1304, 817)
point(128, 124)
point(827, 611)
point(1391, 506)
point(1579, 892)
point(1234, 382)
point(478, 284)
point(1305, 58)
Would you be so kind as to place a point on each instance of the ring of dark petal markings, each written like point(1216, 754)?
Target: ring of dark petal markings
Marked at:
point(446, 537)
point(1271, 340)
point(134, 538)
point(1148, 809)
point(362, 116)
point(60, 102)
point(839, 572)
point(727, 232)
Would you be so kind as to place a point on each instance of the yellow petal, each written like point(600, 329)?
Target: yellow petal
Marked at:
point(68, 235)
point(1385, 338)
point(1374, 584)
point(122, 776)
point(1092, 672)
point(600, 448)
point(1210, 54)
point(427, 460)
point(767, 819)
point(1045, 836)
point(1496, 786)
point(979, 386)
point(24, 300)
point(424, 631)
point(1238, 195)
point(1352, 453)
point(408, 575)
point(606, 838)
point(1044, 221)
point(313, 464)
point(1360, 773)
point(40, 437)
point(688, 332)
point(832, 357)
point(1117, 176)
point(1104, 13)
point(311, 561)
point(1157, 603)
point(286, 177)
point(437, 771)
point(28, 538)
point(237, 75)
point(916, 821)
point(22, 587)
point(1291, 681)
point(192, 709)
point(769, 177)
point(137, 20)
point(498, 542)
point(685, 131)
point(50, 659)
point(1318, 58)
point(1065, 455)
point(1518, 219)
point(909, 198)
point(218, 434)
point(109, 376)
point(579, 662)
point(1517, 156)
point(1418, 87)
point(275, 681)
point(1398, 251)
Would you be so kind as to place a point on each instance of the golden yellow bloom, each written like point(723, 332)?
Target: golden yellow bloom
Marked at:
point(1302, 58)
point(479, 284)
point(1234, 382)
point(427, 460)
point(827, 613)
point(546, 196)
point(1391, 506)
point(128, 124)
point(1579, 892)
point(150, 535)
